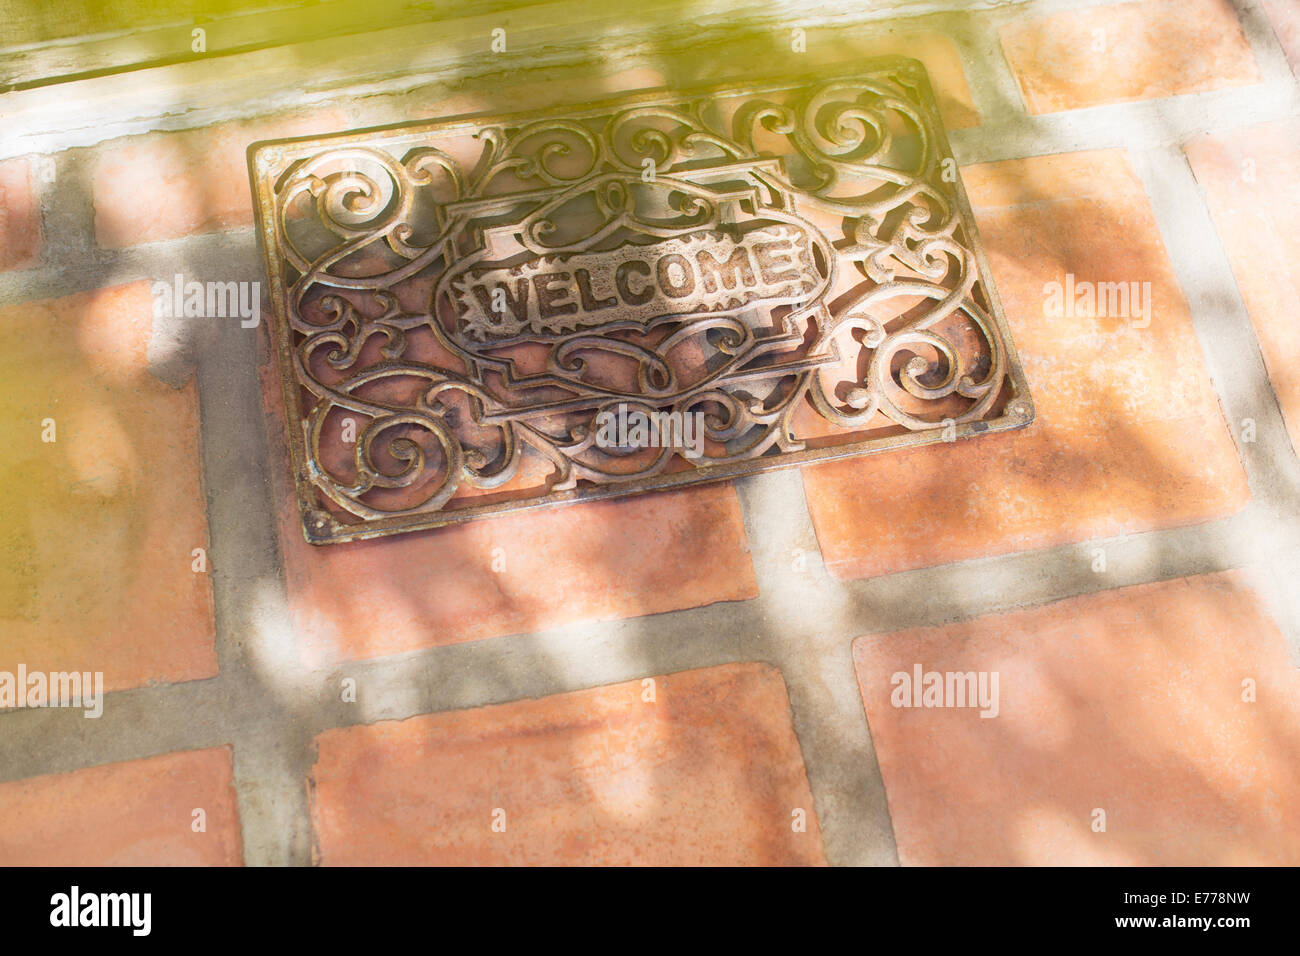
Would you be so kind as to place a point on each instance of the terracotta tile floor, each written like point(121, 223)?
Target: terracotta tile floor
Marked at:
point(714, 675)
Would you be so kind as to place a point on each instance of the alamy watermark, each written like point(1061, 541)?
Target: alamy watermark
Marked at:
point(83, 689)
point(922, 688)
point(133, 911)
point(208, 300)
point(636, 428)
point(1098, 300)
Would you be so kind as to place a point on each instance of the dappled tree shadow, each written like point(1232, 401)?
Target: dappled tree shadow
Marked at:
point(1097, 462)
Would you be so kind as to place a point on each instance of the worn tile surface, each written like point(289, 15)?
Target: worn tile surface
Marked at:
point(20, 217)
point(139, 813)
point(707, 773)
point(98, 527)
point(1129, 51)
point(1127, 701)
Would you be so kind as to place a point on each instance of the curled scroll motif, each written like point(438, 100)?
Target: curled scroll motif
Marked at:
point(461, 313)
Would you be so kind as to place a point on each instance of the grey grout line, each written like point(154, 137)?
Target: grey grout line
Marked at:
point(1264, 43)
point(244, 555)
point(1223, 327)
point(1236, 365)
point(1145, 125)
point(141, 722)
point(271, 766)
point(523, 666)
point(994, 91)
point(812, 652)
point(86, 269)
point(1035, 578)
point(272, 729)
point(67, 209)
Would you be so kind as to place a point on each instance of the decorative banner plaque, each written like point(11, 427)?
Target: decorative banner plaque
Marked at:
point(485, 314)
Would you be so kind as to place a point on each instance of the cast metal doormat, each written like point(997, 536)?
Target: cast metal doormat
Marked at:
point(485, 314)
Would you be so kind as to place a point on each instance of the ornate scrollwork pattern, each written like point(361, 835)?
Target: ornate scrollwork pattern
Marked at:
point(458, 311)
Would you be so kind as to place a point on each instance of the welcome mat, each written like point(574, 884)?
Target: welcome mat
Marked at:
point(485, 314)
